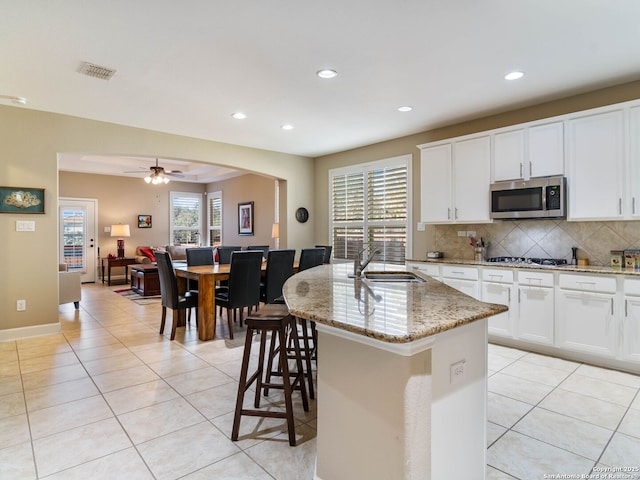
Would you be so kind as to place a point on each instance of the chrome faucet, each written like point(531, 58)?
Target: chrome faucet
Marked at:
point(358, 266)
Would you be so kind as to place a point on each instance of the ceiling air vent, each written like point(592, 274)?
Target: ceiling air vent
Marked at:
point(96, 71)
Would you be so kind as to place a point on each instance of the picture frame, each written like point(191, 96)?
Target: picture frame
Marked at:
point(144, 221)
point(245, 218)
point(21, 200)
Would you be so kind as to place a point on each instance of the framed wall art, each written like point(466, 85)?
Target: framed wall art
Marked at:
point(144, 221)
point(21, 200)
point(245, 218)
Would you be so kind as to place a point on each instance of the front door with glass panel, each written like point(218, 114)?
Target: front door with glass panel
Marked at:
point(78, 236)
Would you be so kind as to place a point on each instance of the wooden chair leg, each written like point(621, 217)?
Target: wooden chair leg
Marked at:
point(307, 355)
point(230, 323)
point(164, 317)
point(176, 319)
point(286, 385)
point(242, 385)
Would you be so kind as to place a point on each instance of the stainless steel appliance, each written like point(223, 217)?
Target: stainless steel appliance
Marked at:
point(543, 197)
point(528, 261)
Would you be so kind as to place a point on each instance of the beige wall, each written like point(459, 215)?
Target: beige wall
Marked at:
point(30, 142)
point(424, 241)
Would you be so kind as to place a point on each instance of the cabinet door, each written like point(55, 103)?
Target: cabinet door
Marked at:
point(545, 150)
point(433, 270)
point(470, 287)
point(435, 184)
point(595, 167)
point(508, 155)
point(535, 320)
point(631, 329)
point(500, 293)
point(471, 179)
point(586, 322)
point(634, 163)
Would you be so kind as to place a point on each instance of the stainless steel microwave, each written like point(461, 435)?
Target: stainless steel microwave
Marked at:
point(543, 197)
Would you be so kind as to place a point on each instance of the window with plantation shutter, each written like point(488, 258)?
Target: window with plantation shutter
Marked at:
point(369, 207)
point(214, 218)
point(186, 218)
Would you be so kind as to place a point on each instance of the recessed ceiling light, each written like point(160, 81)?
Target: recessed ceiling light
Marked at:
point(514, 75)
point(286, 127)
point(239, 115)
point(327, 73)
point(405, 108)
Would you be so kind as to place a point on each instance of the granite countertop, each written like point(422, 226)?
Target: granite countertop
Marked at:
point(562, 268)
point(390, 312)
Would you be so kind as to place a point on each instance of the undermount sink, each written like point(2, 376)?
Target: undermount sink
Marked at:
point(392, 276)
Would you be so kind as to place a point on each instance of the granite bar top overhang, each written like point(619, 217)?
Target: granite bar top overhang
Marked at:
point(395, 313)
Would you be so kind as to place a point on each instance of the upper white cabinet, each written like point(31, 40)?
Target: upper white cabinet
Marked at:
point(595, 166)
point(524, 153)
point(633, 205)
point(455, 181)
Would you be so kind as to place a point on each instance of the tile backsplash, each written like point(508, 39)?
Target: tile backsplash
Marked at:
point(541, 238)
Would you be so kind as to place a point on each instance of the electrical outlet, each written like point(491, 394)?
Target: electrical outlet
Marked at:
point(21, 305)
point(462, 233)
point(420, 227)
point(471, 233)
point(457, 371)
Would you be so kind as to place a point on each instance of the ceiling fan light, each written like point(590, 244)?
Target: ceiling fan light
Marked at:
point(147, 179)
point(166, 180)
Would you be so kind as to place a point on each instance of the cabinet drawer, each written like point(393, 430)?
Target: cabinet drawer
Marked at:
point(535, 279)
point(455, 271)
point(497, 275)
point(428, 269)
point(631, 287)
point(587, 283)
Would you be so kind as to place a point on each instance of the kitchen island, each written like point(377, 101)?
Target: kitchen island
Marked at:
point(402, 375)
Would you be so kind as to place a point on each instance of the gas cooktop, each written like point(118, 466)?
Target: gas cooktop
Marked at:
point(526, 260)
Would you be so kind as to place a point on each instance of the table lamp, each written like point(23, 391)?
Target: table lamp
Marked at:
point(120, 231)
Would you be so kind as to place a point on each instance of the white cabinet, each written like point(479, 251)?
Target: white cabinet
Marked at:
point(585, 319)
point(524, 153)
point(633, 205)
point(464, 279)
point(630, 332)
point(595, 166)
point(435, 184)
point(454, 181)
point(535, 307)
point(497, 287)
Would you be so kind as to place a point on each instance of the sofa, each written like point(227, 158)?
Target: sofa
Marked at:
point(144, 253)
point(69, 289)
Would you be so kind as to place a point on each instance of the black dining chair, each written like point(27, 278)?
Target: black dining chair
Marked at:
point(244, 285)
point(310, 257)
point(327, 252)
point(279, 268)
point(170, 296)
point(224, 253)
point(198, 256)
point(264, 248)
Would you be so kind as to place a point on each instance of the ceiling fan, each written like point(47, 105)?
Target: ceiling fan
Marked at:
point(159, 175)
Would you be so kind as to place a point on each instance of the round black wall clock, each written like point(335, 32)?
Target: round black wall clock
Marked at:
point(302, 214)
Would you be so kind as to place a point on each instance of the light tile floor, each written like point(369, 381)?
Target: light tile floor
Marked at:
point(110, 398)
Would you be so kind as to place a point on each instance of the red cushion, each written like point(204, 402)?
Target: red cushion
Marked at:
point(147, 252)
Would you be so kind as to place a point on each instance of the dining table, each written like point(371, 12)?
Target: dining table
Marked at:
point(207, 276)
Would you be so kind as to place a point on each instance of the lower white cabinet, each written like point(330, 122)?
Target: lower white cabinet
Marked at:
point(630, 331)
point(585, 319)
point(497, 287)
point(535, 307)
point(464, 279)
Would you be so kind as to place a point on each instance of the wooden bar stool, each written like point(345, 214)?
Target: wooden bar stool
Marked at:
point(274, 319)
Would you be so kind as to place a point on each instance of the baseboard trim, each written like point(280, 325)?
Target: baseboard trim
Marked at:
point(29, 332)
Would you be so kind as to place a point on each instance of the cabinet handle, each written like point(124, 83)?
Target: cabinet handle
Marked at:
point(457, 273)
point(633, 205)
point(493, 275)
point(620, 206)
point(509, 295)
point(626, 308)
point(519, 295)
point(455, 213)
point(612, 307)
point(448, 214)
point(521, 169)
point(530, 169)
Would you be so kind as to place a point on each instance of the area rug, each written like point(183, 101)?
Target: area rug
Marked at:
point(139, 299)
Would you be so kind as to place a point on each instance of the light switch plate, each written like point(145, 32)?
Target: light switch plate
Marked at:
point(25, 226)
point(420, 227)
